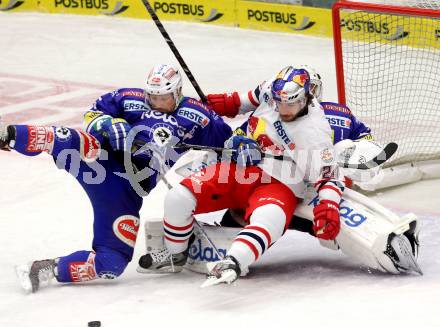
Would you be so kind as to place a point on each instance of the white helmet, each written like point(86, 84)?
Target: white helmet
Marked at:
point(164, 79)
point(315, 82)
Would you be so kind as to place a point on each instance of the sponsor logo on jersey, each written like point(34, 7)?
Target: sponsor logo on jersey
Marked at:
point(187, 10)
point(335, 107)
point(199, 252)
point(62, 134)
point(83, 271)
point(161, 134)
point(194, 116)
point(160, 116)
point(350, 216)
point(40, 139)
point(338, 121)
point(90, 148)
point(137, 94)
point(378, 27)
point(282, 133)
point(327, 155)
point(126, 229)
point(11, 4)
point(134, 105)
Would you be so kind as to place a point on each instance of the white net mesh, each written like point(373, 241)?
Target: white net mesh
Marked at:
point(392, 78)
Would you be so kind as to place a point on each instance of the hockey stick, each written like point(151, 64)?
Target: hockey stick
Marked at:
point(174, 50)
point(382, 157)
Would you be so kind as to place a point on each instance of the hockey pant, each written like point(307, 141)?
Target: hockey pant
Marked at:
point(115, 204)
point(268, 205)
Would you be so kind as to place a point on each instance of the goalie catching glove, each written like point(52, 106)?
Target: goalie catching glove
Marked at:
point(247, 151)
point(326, 223)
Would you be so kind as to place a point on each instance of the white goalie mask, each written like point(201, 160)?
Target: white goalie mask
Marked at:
point(164, 79)
point(315, 82)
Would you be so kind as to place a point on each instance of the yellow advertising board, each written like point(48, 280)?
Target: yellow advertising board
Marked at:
point(205, 11)
point(419, 32)
point(284, 18)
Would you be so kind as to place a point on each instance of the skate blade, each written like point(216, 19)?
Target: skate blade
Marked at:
point(167, 270)
point(227, 277)
point(410, 263)
point(22, 272)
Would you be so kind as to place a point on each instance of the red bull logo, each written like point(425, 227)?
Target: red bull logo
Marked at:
point(300, 79)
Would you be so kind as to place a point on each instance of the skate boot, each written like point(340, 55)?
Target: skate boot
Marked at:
point(7, 135)
point(403, 253)
point(223, 271)
point(36, 274)
point(162, 261)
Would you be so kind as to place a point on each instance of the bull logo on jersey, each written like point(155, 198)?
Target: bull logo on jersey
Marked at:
point(257, 131)
point(126, 229)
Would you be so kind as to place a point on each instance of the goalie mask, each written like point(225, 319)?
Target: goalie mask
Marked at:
point(315, 82)
point(164, 79)
point(291, 85)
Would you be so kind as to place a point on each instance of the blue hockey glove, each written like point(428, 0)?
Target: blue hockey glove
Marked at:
point(247, 153)
point(117, 130)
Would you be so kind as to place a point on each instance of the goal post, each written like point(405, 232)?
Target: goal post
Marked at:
point(387, 56)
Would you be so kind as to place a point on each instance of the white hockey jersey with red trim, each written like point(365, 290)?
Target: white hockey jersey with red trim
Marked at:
point(305, 142)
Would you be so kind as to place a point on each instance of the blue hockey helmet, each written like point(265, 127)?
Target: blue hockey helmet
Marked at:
point(291, 85)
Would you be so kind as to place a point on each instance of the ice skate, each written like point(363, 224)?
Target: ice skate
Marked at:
point(5, 136)
point(403, 254)
point(162, 261)
point(36, 274)
point(223, 271)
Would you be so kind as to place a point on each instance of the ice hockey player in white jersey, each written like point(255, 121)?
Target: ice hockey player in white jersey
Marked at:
point(294, 125)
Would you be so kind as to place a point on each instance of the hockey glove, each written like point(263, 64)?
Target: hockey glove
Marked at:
point(224, 104)
point(247, 152)
point(326, 223)
point(116, 130)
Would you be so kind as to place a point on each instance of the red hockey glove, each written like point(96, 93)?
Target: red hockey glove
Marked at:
point(224, 104)
point(326, 222)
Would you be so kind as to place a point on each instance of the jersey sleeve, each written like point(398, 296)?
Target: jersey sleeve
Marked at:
point(105, 107)
point(251, 99)
point(359, 130)
point(203, 126)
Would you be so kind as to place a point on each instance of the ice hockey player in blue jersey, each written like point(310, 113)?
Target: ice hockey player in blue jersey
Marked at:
point(95, 157)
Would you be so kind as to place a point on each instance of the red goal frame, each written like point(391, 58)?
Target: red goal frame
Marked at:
point(380, 8)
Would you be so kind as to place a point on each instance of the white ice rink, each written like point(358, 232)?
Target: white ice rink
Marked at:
point(52, 67)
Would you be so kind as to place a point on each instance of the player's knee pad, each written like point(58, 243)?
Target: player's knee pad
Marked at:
point(109, 263)
point(179, 205)
point(271, 218)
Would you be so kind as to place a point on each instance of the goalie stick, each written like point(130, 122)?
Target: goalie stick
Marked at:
point(387, 152)
point(174, 50)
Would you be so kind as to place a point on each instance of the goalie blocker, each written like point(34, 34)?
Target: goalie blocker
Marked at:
point(370, 234)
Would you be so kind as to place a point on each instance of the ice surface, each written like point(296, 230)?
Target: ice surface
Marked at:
point(52, 68)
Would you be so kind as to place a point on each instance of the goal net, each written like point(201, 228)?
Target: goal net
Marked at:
point(388, 70)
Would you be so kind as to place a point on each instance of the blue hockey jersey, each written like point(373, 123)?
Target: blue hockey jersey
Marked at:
point(192, 122)
point(343, 123)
